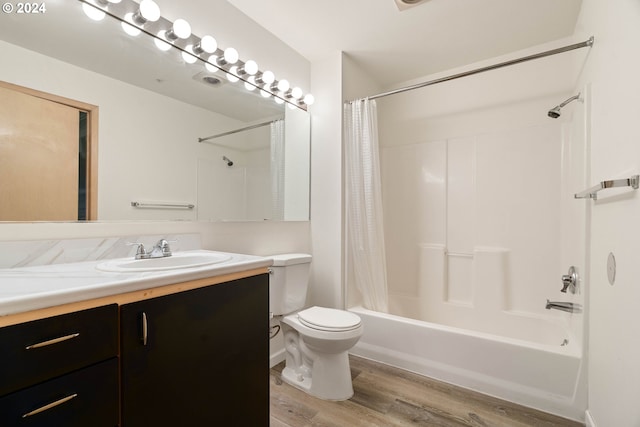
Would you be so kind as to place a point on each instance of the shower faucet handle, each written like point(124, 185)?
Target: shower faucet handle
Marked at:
point(570, 281)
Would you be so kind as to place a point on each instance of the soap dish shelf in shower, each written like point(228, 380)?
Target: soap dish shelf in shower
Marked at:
point(592, 193)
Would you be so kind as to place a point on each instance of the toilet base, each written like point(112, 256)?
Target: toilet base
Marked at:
point(329, 378)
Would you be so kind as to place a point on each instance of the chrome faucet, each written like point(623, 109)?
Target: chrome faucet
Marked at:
point(564, 306)
point(159, 250)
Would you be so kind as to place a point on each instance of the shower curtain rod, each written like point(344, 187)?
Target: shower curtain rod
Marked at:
point(568, 48)
point(231, 132)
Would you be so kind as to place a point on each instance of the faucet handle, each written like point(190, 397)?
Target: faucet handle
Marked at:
point(570, 280)
point(140, 252)
point(163, 244)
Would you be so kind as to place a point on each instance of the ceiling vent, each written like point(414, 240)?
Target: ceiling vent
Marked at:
point(406, 4)
point(209, 79)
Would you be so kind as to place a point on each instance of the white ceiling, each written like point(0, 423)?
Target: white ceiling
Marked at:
point(392, 45)
point(395, 46)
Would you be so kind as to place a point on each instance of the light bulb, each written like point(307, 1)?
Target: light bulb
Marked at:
point(231, 55)
point(267, 78)
point(128, 26)
point(283, 85)
point(296, 93)
point(179, 30)
point(250, 84)
point(92, 12)
point(278, 100)
point(231, 75)
point(147, 11)
point(251, 67)
point(188, 56)
point(265, 93)
point(308, 99)
point(291, 106)
point(212, 60)
point(207, 44)
point(160, 43)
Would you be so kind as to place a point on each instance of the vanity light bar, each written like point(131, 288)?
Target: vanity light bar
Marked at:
point(145, 18)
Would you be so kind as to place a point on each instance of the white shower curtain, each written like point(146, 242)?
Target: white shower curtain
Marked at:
point(277, 170)
point(364, 222)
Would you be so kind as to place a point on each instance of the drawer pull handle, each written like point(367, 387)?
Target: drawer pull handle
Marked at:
point(50, 405)
point(53, 341)
point(145, 330)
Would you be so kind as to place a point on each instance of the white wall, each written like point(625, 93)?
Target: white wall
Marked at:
point(612, 70)
point(326, 183)
point(325, 281)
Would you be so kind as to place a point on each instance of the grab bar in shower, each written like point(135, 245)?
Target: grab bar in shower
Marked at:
point(592, 193)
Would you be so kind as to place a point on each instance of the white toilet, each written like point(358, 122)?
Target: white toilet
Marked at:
point(317, 339)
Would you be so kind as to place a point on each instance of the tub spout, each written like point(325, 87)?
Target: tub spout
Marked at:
point(564, 306)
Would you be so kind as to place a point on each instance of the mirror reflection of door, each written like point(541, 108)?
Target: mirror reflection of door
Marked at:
point(44, 171)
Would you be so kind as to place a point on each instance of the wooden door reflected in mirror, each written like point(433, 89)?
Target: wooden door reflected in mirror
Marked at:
point(48, 165)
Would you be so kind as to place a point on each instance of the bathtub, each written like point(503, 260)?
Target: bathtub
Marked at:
point(546, 375)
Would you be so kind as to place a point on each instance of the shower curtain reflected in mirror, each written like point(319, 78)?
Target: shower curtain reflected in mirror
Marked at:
point(277, 170)
point(364, 217)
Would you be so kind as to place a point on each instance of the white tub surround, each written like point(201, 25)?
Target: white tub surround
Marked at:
point(480, 226)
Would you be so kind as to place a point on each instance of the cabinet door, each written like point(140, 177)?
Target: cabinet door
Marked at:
point(197, 358)
point(88, 397)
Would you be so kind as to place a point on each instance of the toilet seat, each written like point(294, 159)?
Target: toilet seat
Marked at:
point(329, 319)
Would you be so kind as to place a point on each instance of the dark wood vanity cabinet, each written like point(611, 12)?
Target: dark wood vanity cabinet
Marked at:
point(197, 358)
point(61, 370)
point(192, 358)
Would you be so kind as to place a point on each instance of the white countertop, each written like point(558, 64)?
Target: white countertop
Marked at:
point(31, 288)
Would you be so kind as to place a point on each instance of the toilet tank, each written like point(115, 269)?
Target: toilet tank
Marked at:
point(288, 283)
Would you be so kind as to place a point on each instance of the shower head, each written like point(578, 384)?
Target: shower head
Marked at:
point(226, 159)
point(554, 113)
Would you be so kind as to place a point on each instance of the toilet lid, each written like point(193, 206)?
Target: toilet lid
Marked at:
point(328, 319)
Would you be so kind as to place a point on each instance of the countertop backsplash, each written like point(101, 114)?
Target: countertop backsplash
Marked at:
point(14, 254)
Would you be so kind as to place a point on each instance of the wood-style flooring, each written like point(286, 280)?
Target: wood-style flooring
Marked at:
point(389, 397)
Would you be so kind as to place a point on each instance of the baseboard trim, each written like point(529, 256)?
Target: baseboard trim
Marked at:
point(588, 419)
point(276, 358)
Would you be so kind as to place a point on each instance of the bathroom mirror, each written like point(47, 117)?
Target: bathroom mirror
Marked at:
point(154, 108)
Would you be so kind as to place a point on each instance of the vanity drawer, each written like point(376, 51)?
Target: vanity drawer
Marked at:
point(88, 397)
point(42, 349)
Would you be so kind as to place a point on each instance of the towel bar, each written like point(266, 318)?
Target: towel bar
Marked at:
point(592, 193)
point(151, 205)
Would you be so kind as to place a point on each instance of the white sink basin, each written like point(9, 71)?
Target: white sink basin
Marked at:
point(177, 260)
